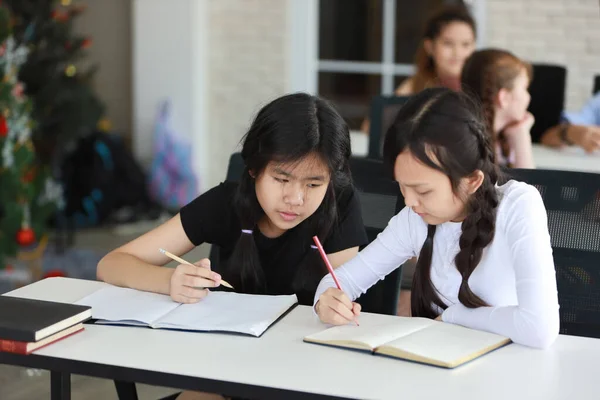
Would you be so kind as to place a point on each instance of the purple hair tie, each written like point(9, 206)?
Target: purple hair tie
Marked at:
point(312, 246)
point(247, 231)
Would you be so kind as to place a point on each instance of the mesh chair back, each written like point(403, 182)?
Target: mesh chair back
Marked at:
point(572, 201)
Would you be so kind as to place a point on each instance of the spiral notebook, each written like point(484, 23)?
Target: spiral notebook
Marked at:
point(219, 311)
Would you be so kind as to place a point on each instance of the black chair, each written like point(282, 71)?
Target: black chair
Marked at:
point(596, 84)
point(235, 169)
point(572, 201)
point(380, 200)
point(382, 115)
point(547, 91)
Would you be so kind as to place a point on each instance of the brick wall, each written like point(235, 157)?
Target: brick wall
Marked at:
point(565, 32)
point(247, 68)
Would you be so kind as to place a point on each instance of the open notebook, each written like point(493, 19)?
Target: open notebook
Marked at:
point(415, 339)
point(219, 311)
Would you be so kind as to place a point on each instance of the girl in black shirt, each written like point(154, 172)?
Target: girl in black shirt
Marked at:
point(296, 184)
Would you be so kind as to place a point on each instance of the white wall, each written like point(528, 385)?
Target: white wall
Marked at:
point(218, 60)
point(169, 61)
point(247, 67)
point(566, 32)
point(111, 51)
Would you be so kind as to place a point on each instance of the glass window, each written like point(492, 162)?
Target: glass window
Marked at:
point(350, 30)
point(351, 94)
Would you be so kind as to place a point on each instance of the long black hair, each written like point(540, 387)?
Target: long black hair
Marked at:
point(446, 131)
point(289, 129)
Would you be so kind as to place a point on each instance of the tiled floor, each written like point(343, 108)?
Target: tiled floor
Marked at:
point(24, 384)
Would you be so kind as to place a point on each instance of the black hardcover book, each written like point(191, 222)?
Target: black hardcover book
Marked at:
point(29, 320)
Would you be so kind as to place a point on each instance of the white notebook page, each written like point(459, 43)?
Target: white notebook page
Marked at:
point(227, 311)
point(119, 304)
point(219, 311)
point(446, 342)
point(373, 334)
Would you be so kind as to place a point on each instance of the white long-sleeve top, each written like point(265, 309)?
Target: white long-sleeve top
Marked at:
point(516, 274)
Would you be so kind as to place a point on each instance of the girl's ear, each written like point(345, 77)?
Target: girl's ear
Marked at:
point(473, 182)
point(503, 98)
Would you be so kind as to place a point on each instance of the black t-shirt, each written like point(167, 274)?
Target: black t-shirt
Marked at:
point(212, 218)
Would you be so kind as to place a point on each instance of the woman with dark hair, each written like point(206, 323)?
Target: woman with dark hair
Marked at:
point(296, 184)
point(448, 40)
point(484, 254)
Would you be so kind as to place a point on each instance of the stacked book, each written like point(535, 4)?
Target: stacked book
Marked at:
point(27, 325)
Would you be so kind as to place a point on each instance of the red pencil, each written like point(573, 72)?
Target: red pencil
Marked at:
point(328, 264)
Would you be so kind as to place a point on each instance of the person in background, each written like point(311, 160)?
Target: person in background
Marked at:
point(577, 128)
point(500, 81)
point(448, 40)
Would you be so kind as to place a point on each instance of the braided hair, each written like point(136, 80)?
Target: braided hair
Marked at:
point(446, 131)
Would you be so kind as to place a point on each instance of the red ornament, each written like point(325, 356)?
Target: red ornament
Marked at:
point(3, 126)
point(54, 273)
point(25, 236)
point(68, 45)
point(87, 43)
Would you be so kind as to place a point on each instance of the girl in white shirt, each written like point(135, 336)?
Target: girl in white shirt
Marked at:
point(484, 254)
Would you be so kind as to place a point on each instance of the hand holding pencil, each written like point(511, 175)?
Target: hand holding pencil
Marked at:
point(190, 282)
point(334, 306)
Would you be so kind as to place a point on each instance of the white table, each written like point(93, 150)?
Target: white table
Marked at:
point(567, 159)
point(280, 365)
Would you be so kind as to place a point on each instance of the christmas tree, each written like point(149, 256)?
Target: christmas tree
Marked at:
point(28, 195)
point(65, 106)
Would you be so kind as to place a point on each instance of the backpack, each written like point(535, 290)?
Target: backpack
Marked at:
point(100, 177)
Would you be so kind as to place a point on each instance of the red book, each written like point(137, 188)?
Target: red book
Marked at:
point(14, 346)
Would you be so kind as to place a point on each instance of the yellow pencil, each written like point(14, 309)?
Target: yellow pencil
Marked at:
point(182, 261)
